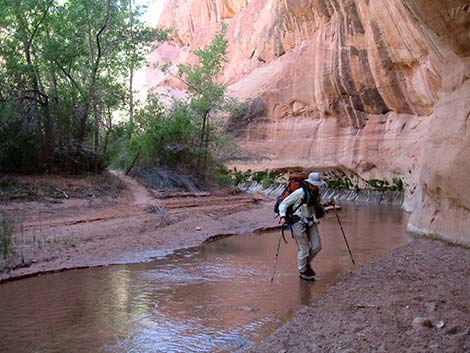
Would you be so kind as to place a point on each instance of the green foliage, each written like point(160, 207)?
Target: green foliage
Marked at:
point(201, 77)
point(242, 177)
point(377, 184)
point(339, 183)
point(223, 179)
point(67, 66)
point(206, 98)
point(258, 176)
point(164, 138)
point(266, 181)
point(384, 185)
point(65, 69)
point(181, 137)
point(266, 177)
point(397, 184)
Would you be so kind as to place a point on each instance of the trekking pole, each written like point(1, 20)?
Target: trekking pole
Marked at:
point(277, 252)
point(344, 235)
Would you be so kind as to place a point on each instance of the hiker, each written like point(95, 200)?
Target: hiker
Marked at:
point(307, 209)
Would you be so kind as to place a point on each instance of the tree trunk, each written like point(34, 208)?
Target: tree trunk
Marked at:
point(131, 95)
point(97, 130)
point(49, 137)
point(131, 69)
point(202, 142)
point(133, 163)
point(108, 131)
point(81, 114)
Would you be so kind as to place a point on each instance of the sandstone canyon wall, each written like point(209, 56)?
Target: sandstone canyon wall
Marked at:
point(378, 89)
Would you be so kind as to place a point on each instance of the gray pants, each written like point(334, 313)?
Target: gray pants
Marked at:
point(308, 243)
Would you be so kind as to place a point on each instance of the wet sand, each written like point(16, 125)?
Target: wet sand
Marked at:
point(54, 234)
point(415, 300)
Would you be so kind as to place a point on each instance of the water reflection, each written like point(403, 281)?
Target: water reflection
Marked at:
point(213, 298)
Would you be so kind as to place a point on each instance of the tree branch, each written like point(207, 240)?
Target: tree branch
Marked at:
point(36, 28)
point(186, 83)
point(67, 74)
point(98, 37)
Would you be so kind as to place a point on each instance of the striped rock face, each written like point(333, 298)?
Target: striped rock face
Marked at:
point(371, 87)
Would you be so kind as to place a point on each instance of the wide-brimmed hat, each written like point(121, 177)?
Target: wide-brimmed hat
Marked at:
point(314, 178)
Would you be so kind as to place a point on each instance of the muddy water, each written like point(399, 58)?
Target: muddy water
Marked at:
point(213, 298)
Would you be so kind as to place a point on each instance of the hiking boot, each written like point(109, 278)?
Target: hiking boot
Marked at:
point(306, 276)
point(310, 270)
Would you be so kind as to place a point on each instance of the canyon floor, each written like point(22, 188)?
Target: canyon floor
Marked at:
point(62, 223)
point(417, 299)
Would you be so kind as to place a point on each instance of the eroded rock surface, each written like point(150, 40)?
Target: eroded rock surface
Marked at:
point(377, 88)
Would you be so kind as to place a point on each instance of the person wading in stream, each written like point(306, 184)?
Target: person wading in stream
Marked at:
point(302, 216)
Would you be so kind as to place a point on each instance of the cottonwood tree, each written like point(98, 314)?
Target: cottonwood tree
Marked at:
point(189, 136)
point(58, 64)
point(206, 93)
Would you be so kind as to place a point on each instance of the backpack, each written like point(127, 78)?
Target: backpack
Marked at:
point(295, 182)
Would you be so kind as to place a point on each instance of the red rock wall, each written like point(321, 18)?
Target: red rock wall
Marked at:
point(365, 86)
point(443, 188)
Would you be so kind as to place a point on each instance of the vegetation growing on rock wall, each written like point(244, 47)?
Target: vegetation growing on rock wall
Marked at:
point(266, 177)
point(342, 181)
point(241, 177)
point(339, 183)
point(384, 185)
point(334, 180)
point(397, 184)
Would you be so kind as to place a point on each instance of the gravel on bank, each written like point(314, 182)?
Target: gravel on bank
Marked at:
point(415, 300)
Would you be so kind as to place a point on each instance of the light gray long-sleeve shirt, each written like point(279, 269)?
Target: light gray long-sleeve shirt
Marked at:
point(295, 199)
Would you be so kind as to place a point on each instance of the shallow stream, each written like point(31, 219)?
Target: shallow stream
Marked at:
point(213, 298)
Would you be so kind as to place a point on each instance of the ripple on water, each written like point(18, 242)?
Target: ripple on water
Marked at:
point(158, 335)
point(213, 298)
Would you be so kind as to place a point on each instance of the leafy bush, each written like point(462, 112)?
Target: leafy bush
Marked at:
point(398, 184)
point(223, 180)
point(19, 139)
point(266, 181)
point(339, 183)
point(384, 185)
point(241, 177)
point(164, 138)
point(378, 184)
point(189, 135)
point(167, 138)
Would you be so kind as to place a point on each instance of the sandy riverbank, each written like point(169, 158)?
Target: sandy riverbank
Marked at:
point(415, 300)
point(79, 224)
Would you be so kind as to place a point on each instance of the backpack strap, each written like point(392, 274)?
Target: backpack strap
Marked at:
point(306, 199)
point(307, 195)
